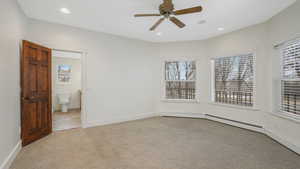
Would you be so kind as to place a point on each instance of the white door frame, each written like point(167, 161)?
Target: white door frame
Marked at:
point(83, 83)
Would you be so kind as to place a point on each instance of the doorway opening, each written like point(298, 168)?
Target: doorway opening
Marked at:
point(66, 89)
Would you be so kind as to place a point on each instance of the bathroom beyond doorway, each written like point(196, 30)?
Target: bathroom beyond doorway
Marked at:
point(66, 89)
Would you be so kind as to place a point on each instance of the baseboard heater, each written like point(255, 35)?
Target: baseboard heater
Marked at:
point(222, 118)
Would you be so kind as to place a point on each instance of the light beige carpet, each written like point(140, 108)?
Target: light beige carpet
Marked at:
point(157, 143)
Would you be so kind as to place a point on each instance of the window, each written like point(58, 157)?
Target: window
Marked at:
point(180, 80)
point(233, 81)
point(290, 81)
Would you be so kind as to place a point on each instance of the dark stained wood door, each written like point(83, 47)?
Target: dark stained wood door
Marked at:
point(36, 113)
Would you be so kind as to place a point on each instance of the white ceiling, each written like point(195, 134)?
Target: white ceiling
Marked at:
point(116, 16)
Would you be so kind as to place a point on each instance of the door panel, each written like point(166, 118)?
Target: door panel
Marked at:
point(36, 92)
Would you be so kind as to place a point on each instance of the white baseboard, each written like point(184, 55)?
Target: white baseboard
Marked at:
point(203, 116)
point(180, 114)
point(12, 155)
point(270, 134)
point(236, 124)
point(8, 161)
point(284, 142)
point(120, 119)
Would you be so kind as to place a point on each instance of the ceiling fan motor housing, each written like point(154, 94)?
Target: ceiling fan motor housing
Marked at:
point(166, 8)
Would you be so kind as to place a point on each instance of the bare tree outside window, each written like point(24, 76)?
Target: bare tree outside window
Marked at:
point(180, 77)
point(234, 80)
point(290, 83)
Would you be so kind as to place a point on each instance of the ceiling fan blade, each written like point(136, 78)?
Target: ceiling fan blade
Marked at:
point(177, 22)
point(188, 10)
point(156, 24)
point(145, 15)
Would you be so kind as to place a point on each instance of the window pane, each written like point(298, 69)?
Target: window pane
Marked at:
point(184, 70)
point(234, 80)
point(290, 86)
point(180, 90)
point(291, 96)
point(291, 60)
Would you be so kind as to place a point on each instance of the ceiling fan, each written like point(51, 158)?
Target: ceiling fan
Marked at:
point(166, 9)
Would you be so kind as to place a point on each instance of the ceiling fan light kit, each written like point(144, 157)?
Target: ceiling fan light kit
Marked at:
point(167, 11)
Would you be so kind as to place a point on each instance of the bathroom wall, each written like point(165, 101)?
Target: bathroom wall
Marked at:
point(74, 87)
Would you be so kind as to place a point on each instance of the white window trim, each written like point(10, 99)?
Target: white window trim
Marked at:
point(287, 115)
point(163, 97)
point(234, 106)
point(180, 100)
point(280, 112)
point(212, 86)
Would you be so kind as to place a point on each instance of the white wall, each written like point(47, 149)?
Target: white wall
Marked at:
point(282, 27)
point(124, 76)
point(12, 28)
point(250, 40)
point(119, 71)
point(258, 39)
point(74, 87)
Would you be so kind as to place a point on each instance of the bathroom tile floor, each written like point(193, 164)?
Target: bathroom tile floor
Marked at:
point(65, 121)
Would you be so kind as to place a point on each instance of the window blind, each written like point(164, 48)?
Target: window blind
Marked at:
point(234, 80)
point(290, 83)
point(180, 77)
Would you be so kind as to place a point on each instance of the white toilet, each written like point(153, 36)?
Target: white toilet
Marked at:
point(64, 100)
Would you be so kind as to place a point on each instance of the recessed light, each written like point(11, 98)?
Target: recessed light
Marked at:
point(158, 33)
point(220, 29)
point(65, 10)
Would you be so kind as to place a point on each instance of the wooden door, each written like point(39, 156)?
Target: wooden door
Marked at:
point(36, 113)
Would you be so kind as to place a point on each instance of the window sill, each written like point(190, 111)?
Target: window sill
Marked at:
point(179, 101)
point(288, 116)
point(234, 106)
